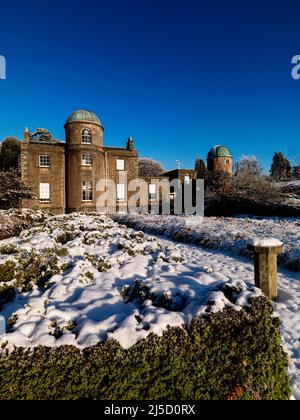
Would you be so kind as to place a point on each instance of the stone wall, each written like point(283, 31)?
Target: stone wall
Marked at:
point(33, 175)
point(224, 164)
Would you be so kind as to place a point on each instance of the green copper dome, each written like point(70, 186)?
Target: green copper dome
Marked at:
point(84, 116)
point(219, 152)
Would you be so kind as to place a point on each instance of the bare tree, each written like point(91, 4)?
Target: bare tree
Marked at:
point(149, 167)
point(249, 165)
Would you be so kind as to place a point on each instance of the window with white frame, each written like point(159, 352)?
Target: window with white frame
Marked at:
point(44, 193)
point(87, 159)
point(87, 191)
point(121, 192)
point(152, 192)
point(44, 161)
point(120, 165)
point(86, 136)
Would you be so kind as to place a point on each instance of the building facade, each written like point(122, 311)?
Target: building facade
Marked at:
point(64, 177)
point(81, 173)
point(220, 159)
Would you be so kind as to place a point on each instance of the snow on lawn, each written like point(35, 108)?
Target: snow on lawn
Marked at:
point(84, 278)
point(228, 234)
point(101, 279)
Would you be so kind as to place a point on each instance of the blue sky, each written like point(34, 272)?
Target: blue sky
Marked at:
point(179, 76)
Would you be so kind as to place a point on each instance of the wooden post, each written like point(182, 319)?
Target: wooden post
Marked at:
point(265, 262)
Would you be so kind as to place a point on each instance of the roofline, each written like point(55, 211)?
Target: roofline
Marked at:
point(106, 148)
point(83, 122)
point(222, 156)
point(48, 143)
point(180, 170)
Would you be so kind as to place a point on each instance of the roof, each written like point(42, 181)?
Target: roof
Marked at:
point(218, 152)
point(83, 116)
point(180, 171)
point(54, 142)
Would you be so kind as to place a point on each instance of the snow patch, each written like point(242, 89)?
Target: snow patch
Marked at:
point(265, 242)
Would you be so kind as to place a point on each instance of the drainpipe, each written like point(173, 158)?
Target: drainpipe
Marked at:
point(106, 179)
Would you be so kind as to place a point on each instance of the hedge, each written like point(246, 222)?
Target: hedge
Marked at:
point(228, 355)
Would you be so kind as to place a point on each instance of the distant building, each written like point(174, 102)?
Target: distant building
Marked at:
point(220, 159)
point(64, 175)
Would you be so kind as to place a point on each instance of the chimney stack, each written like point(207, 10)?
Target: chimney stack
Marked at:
point(26, 135)
point(130, 144)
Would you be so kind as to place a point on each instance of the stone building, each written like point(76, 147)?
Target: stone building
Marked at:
point(43, 169)
point(220, 159)
point(64, 176)
point(76, 174)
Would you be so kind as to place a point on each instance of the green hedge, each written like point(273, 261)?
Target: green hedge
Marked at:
point(228, 355)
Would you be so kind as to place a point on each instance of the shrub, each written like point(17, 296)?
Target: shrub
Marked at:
point(7, 294)
point(12, 321)
point(229, 355)
point(66, 236)
point(7, 271)
point(89, 275)
point(247, 192)
point(14, 221)
point(99, 263)
point(36, 269)
point(139, 293)
point(8, 249)
point(61, 252)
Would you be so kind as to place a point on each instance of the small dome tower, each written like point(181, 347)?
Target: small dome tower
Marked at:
point(220, 159)
point(82, 120)
point(84, 159)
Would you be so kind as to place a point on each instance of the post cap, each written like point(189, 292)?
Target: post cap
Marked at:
point(265, 246)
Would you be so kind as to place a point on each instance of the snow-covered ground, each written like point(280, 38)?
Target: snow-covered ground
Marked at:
point(112, 281)
point(224, 233)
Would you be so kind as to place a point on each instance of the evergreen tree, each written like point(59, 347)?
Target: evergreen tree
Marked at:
point(296, 172)
point(10, 153)
point(200, 167)
point(12, 189)
point(281, 169)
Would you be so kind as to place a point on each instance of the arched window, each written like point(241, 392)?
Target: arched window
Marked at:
point(86, 136)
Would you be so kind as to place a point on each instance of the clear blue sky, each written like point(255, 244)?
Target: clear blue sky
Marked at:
point(179, 76)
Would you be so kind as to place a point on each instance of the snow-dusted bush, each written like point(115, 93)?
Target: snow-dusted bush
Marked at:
point(99, 263)
point(108, 282)
point(229, 355)
point(7, 271)
point(13, 221)
point(36, 269)
point(141, 294)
